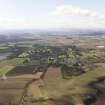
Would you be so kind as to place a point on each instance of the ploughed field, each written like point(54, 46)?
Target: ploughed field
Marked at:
point(12, 89)
point(21, 70)
point(53, 73)
point(13, 86)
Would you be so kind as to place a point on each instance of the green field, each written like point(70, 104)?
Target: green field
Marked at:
point(12, 62)
point(7, 65)
point(4, 70)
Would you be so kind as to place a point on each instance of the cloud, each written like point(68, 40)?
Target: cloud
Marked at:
point(68, 15)
point(62, 16)
point(69, 10)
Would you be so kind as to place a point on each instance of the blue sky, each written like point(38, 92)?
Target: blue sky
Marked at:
point(52, 14)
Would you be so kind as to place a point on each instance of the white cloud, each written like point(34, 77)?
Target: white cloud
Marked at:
point(62, 16)
point(71, 10)
point(70, 15)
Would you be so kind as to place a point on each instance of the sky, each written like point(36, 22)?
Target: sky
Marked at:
point(45, 14)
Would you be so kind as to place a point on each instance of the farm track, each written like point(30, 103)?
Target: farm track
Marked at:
point(38, 75)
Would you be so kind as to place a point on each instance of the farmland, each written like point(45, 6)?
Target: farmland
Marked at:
point(12, 89)
point(7, 65)
point(53, 72)
point(54, 90)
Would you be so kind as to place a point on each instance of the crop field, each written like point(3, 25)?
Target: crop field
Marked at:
point(53, 73)
point(4, 70)
point(19, 78)
point(7, 65)
point(52, 76)
point(20, 70)
point(12, 62)
point(12, 89)
point(12, 96)
point(83, 42)
point(53, 86)
point(57, 89)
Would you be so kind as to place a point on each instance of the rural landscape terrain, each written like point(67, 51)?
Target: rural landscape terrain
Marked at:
point(52, 68)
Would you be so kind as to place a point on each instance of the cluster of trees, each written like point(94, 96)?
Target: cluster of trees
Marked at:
point(80, 61)
point(72, 64)
point(71, 59)
point(66, 57)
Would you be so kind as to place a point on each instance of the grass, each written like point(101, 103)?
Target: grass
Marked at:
point(90, 75)
point(78, 84)
point(4, 70)
point(7, 65)
point(75, 87)
point(12, 62)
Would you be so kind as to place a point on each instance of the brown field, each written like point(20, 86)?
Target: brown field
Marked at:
point(83, 42)
point(13, 88)
point(12, 96)
point(21, 70)
point(54, 84)
point(53, 73)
